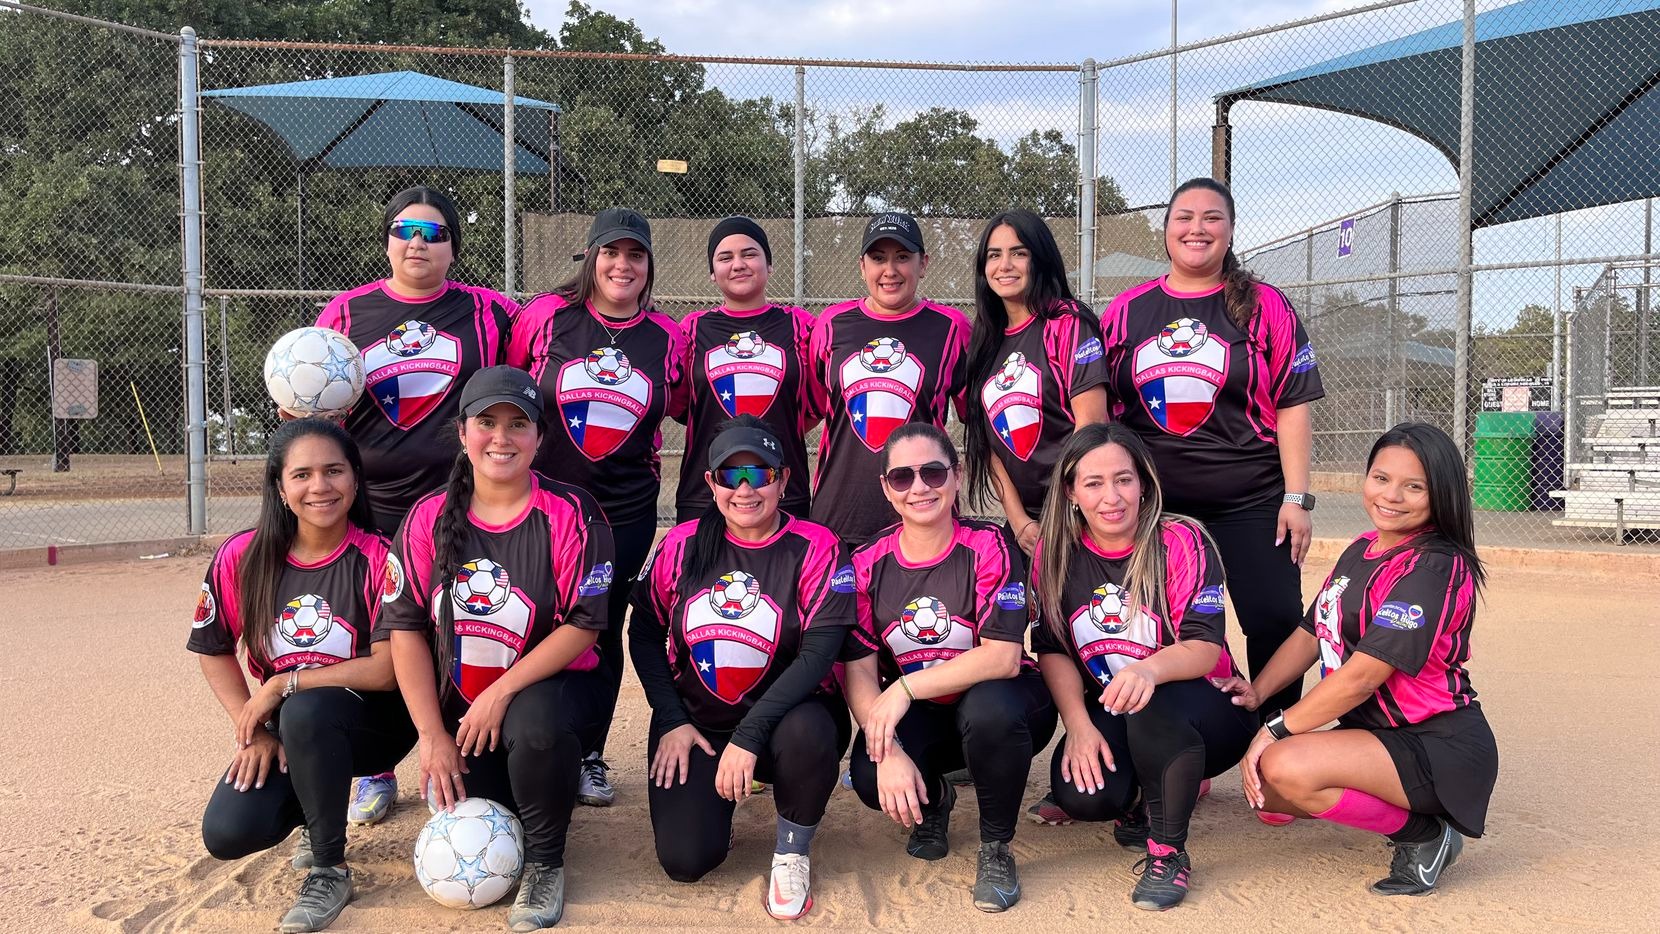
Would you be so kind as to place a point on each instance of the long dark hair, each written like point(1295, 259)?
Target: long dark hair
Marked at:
point(1048, 295)
point(274, 533)
point(1449, 490)
point(711, 525)
point(1239, 285)
point(433, 198)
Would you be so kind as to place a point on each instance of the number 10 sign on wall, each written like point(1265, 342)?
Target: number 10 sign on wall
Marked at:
point(1345, 238)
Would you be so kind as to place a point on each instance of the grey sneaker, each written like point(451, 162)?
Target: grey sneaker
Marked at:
point(323, 895)
point(301, 859)
point(594, 786)
point(930, 839)
point(996, 882)
point(1417, 867)
point(541, 901)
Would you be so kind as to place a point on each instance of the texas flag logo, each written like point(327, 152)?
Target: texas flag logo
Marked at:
point(1013, 398)
point(1108, 636)
point(1178, 375)
point(881, 383)
point(601, 400)
point(745, 373)
point(492, 618)
point(732, 630)
point(411, 371)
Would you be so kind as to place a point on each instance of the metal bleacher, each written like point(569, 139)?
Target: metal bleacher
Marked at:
point(1618, 487)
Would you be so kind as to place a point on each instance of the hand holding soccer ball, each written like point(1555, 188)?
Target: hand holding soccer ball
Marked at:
point(314, 372)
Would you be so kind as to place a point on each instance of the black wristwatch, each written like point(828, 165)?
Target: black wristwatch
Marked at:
point(1275, 725)
point(1305, 500)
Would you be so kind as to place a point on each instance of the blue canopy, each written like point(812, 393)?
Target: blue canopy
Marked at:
point(397, 118)
point(1567, 111)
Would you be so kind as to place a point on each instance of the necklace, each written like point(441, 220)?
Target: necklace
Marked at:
point(612, 336)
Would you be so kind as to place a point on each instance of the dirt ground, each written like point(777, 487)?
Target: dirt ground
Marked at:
point(114, 742)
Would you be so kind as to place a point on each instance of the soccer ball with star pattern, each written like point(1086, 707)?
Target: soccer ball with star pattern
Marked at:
point(314, 372)
point(470, 857)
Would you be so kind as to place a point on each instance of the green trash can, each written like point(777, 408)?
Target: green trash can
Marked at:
point(1503, 461)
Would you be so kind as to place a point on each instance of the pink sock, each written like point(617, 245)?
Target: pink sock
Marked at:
point(1359, 809)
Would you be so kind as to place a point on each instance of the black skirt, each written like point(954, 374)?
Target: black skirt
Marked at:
point(1447, 764)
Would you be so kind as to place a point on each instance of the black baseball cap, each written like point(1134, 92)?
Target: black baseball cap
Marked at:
point(901, 228)
point(757, 441)
point(495, 384)
point(613, 224)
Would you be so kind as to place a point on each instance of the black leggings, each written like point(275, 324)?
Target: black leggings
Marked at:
point(994, 729)
point(533, 770)
point(633, 544)
point(693, 824)
point(329, 735)
point(1188, 732)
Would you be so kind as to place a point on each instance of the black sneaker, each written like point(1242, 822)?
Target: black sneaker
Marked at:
point(1416, 867)
point(594, 784)
point(1163, 883)
point(323, 895)
point(930, 838)
point(996, 882)
point(1131, 830)
point(541, 900)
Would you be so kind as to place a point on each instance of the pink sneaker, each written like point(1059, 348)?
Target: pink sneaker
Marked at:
point(1274, 819)
point(1204, 788)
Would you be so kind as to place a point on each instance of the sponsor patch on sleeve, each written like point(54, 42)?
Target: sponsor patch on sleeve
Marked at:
point(205, 608)
point(1209, 599)
point(391, 579)
point(1088, 352)
point(598, 580)
point(1396, 614)
point(1012, 596)
point(842, 580)
point(1304, 361)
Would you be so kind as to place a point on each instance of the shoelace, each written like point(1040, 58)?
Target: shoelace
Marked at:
point(995, 868)
point(536, 878)
point(595, 769)
point(315, 889)
point(1157, 868)
point(797, 876)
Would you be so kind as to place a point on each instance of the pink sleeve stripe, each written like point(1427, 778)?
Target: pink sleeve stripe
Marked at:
point(675, 373)
point(418, 546)
point(864, 561)
point(1060, 344)
point(811, 389)
point(993, 568)
point(1184, 566)
point(227, 562)
point(818, 566)
point(1114, 325)
point(665, 573)
point(532, 332)
point(1273, 347)
point(341, 307)
point(491, 348)
point(374, 549)
point(567, 541)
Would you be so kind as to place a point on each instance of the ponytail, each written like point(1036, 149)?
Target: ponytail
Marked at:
point(706, 544)
point(458, 499)
point(1239, 290)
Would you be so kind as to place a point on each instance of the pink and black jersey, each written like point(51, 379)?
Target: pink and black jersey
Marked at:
point(1028, 400)
point(1103, 636)
point(878, 372)
point(1204, 394)
point(731, 635)
point(1410, 606)
point(549, 567)
point(612, 382)
point(749, 363)
point(325, 612)
point(918, 615)
point(417, 353)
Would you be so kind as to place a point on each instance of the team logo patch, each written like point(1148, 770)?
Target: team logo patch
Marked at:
point(1328, 624)
point(1304, 361)
point(1179, 374)
point(411, 372)
point(391, 579)
point(305, 621)
point(842, 580)
point(598, 580)
point(1012, 596)
point(1208, 599)
point(926, 634)
point(925, 621)
point(1013, 399)
point(481, 587)
point(745, 373)
point(1108, 636)
point(1397, 614)
point(732, 635)
point(206, 611)
point(881, 383)
point(491, 624)
point(1106, 609)
point(1088, 351)
point(601, 400)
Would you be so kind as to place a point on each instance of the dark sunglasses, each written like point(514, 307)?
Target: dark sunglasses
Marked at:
point(753, 474)
point(430, 232)
point(933, 475)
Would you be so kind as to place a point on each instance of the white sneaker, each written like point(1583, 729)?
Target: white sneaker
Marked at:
point(789, 893)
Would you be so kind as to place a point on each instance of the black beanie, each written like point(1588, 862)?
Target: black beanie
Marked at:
point(738, 225)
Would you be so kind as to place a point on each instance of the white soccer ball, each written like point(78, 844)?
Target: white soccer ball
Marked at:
point(305, 621)
point(1012, 370)
point(410, 338)
point(314, 371)
point(1106, 608)
point(883, 354)
point(1182, 336)
point(735, 594)
point(608, 366)
point(745, 345)
point(470, 857)
point(925, 621)
point(481, 587)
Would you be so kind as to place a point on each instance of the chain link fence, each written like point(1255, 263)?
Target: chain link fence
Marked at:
point(1355, 219)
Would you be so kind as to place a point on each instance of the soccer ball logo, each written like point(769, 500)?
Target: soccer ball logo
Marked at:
point(1183, 336)
point(608, 366)
point(1106, 609)
point(746, 345)
point(925, 621)
point(735, 594)
point(481, 587)
point(882, 354)
point(469, 857)
point(410, 338)
point(1013, 369)
point(314, 371)
point(305, 621)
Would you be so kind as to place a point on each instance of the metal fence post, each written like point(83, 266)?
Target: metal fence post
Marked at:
point(1466, 241)
point(1173, 47)
point(800, 185)
point(1087, 80)
point(1557, 378)
point(195, 353)
point(1643, 303)
point(1397, 360)
point(509, 163)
